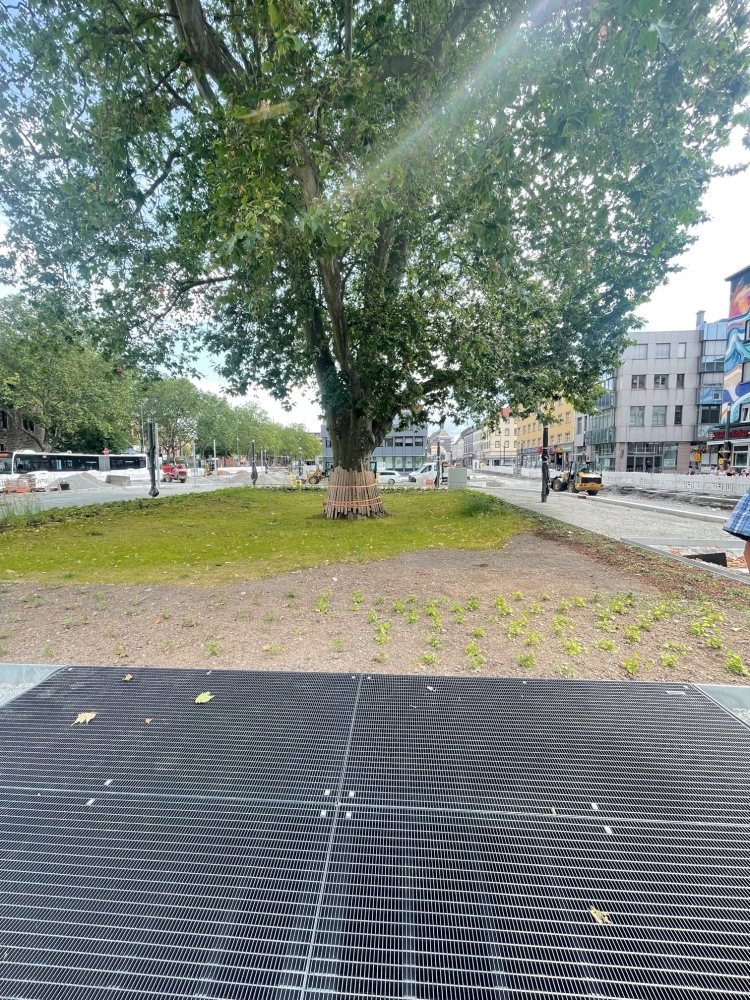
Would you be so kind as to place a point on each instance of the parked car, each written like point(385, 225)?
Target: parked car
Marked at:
point(390, 477)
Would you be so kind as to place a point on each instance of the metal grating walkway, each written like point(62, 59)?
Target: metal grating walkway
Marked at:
point(310, 836)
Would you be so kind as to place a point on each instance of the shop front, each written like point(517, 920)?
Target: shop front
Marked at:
point(651, 456)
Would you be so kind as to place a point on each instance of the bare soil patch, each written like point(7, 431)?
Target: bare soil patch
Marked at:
point(431, 611)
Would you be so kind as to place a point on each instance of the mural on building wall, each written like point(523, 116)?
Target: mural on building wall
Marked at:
point(736, 392)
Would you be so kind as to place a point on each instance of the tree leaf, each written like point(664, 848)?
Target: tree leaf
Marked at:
point(203, 698)
point(148, 721)
point(84, 718)
point(599, 915)
point(128, 677)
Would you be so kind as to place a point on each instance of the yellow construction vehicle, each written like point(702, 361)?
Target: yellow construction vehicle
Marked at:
point(580, 477)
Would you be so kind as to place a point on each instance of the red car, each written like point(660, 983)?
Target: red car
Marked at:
point(174, 470)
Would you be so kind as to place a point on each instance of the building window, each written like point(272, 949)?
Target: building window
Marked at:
point(638, 382)
point(640, 351)
point(745, 374)
point(662, 350)
point(745, 414)
point(637, 414)
point(709, 414)
point(419, 442)
point(559, 438)
point(568, 417)
point(5, 419)
point(661, 381)
point(567, 437)
point(28, 425)
point(579, 425)
point(659, 416)
point(498, 444)
point(711, 363)
point(399, 442)
point(680, 381)
point(408, 442)
point(678, 416)
point(388, 443)
point(682, 350)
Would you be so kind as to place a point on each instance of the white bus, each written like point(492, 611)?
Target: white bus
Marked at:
point(21, 463)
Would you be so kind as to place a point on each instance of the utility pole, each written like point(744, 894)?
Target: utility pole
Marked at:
point(152, 458)
point(545, 464)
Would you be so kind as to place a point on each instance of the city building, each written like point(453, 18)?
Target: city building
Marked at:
point(724, 431)
point(19, 433)
point(444, 440)
point(561, 434)
point(404, 449)
point(499, 444)
point(646, 419)
point(463, 448)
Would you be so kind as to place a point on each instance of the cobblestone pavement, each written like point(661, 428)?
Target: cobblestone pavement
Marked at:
point(607, 519)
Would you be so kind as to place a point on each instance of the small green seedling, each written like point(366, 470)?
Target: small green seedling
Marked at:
point(632, 633)
point(534, 639)
point(734, 664)
point(631, 664)
point(572, 647)
point(526, 660)
point(605, 645)
point(478, 633)
point(323, 603)
point(472, 604)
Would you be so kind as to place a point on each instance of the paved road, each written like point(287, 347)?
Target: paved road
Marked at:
point(608, 519)
point(106, 494)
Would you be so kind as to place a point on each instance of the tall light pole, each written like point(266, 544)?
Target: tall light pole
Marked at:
point(545, 464)
point(143, 437)
point(254, 473)
point(152, 459)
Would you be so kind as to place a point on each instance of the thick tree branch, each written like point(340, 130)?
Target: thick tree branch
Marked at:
point(208, 53)
point(174, 155)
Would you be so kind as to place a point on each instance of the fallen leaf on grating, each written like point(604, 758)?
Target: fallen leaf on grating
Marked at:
point(149, 721)
point(599, 915)
point(554, 811)
point(203, 698)
point(429, 688)
point(158, 621)
point(128, 677)
point(84, 717)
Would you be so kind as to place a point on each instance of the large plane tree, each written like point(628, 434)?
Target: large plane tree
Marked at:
point(429, 207)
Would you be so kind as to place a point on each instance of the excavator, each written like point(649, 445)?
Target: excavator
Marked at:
point(579, 477)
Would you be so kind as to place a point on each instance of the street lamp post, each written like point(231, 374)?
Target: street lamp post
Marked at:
point(254, 473)
point(545, 464)
point(300, 462)
point(154, 491)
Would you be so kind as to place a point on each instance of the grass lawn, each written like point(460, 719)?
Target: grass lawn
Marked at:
point(241, 533)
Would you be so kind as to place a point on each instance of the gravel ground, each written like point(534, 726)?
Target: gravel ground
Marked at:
point(343, 618)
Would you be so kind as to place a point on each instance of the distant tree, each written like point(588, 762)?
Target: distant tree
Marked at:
point(431, 207)
point(217, 423)
point(175, 404)
point(51, 373)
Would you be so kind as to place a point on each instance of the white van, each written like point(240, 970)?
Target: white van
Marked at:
point(425, 475)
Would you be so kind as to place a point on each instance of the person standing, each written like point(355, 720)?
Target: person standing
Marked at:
point(738, 524)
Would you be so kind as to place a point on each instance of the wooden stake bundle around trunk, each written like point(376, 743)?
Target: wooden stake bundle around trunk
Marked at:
point(352, 494)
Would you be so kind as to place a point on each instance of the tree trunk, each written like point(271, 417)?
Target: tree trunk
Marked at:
point(352, 486)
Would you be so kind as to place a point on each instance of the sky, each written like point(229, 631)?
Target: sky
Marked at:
point(718, 252)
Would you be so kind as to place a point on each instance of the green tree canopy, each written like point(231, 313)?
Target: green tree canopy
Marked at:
point(52, 373)
point(432, 208)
